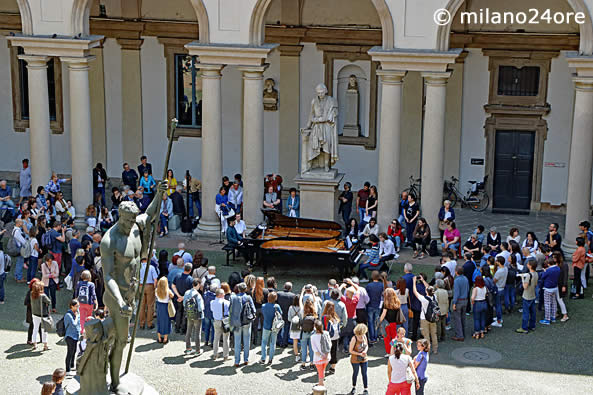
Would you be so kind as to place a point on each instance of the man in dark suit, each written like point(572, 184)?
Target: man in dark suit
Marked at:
point(99, 181)
point(285, 299)
point(144, 166)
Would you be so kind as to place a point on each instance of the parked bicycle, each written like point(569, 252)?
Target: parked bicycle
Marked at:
point(476, 198)
point(414, 188)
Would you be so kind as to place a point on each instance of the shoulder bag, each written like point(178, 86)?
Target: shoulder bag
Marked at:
point(171, 308)
point(48, 321)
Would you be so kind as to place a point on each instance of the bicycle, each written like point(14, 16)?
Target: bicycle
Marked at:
point(414, 187)
point(476, 198)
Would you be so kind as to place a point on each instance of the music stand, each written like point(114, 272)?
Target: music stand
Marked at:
point(220, 217)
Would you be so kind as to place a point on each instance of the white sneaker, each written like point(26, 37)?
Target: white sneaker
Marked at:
point(297, 358)
point(364, 280)
point(396, 256)
point(496, 324)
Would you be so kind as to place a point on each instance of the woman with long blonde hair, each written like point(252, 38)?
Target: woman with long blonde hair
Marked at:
point(260, 296)
point(163, 322)
point(331, 323)
point(391, 313)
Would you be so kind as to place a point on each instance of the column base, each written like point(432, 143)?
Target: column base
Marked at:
point(208, 228)
point(568, 248)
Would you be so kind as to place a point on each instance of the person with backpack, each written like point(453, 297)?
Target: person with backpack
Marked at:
point(331, 324)
point(72, 326)
point(309, 315)
point(50, 272)
point(270, 311)
point(430, 313)
point(295, 320)
point(181, 284)
point(208, 320)
point(220, 313)
point(321, 345)
point(193, 304)
point(87, 297)
point(358, 357)
point(242, 315)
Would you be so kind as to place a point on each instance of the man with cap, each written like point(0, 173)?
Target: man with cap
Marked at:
point(494, 239)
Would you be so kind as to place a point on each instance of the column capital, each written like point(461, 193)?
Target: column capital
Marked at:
point(253, 72)
point(290, 50)
point(391, 77)
point(35, 61)
point(436, 79)
point(130, 44)
point(81, 63)
point(211, 70)
point(583, 84)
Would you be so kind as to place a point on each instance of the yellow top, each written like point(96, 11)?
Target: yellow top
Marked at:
point(172, 185)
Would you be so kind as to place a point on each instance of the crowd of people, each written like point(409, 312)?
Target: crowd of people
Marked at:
point(484, 276)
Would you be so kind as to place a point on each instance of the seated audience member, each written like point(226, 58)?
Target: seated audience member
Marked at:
point(394, 232)
point(271, 200)
point(473, 246)
point(386, 249)
point(369, 229)
point(451, 238)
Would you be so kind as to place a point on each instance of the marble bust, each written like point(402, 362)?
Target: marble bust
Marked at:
point(320, 137)
point(270, 95)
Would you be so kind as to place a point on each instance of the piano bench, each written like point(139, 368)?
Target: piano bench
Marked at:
point(230, 250)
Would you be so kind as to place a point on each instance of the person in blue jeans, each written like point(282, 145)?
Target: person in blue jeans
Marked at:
point(510, 291)
point(375, 291)
point(241, 330)
point(420, 363)
point(480, 306)
point(3, 260)
point(269, 337)
point(307, 327)
point(208, 321)
point(529, 282)
point(35, 251)
point(500, 279)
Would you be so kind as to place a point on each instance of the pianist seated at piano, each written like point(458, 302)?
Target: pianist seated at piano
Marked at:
point(369, 259)
point(235, 240)
point(222, 208)
point(369, 229)
point(271, 200)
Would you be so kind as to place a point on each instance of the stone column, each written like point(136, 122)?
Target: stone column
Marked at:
point(80, 133)
point(253, 143)
point(211, 144)
point(98, 116)
point(39, 126)
point(131, 70)
point(389, 143)
point(578, 201)
point(432, 147)
point(288, 110)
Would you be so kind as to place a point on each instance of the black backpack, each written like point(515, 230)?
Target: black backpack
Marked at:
point(308, 324)
point(247, 312)
point(433, 310)
point(61, 327)
point(432, 248)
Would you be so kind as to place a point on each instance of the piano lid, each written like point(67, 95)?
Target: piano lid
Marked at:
point(274, 218)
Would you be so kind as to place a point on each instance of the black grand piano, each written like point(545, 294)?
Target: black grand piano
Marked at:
point(313, 241)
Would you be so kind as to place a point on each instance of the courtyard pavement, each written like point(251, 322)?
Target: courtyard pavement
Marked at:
point(552, 360)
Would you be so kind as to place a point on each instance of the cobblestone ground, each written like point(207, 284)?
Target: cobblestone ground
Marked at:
point(552, 360)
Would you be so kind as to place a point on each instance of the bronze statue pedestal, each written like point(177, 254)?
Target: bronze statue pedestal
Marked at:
point(130, 384)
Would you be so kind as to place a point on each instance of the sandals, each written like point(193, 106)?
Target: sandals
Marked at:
point(45, 348)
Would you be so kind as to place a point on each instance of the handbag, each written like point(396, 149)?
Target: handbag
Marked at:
point(171, 309)
point(409, 375)
point(47, 322)
point(410, 313)
point(442, 225)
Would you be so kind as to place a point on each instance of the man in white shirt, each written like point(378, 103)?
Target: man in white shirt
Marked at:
point(187, 258)
point(386, 249)
point(220, 310)
point(147, 312)
point(240, 226)
point(504, 247)
point(449, 262)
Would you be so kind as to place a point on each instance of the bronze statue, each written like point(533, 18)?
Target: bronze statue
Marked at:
point(92, 366)
point(122, 248)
